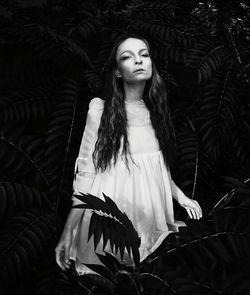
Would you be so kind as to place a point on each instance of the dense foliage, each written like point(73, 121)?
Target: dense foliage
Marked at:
point(52, 62)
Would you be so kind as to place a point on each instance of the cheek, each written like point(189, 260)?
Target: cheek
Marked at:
point(149, 65)
point(125, 69)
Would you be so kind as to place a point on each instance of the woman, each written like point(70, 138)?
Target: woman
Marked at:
point(125, 153)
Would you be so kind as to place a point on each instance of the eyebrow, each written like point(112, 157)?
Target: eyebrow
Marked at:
point(132, 51)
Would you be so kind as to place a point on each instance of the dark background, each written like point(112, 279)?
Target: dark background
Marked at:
point(52, 56)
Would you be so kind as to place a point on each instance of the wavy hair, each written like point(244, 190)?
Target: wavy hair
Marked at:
point(112, 133)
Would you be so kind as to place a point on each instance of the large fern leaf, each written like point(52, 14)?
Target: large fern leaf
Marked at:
point(240, 190)
point(16, 197)
point(163, 11)
point(84, 29)
point(56, 143)
point(240, 141)
point(28, 105)
point(49, 279)
point(216, 113)
point(206, 58)
point(188, 157)
point(50, 44)
point(205, 252)
point(21, 152)
point(109, 221)
point(25, 239)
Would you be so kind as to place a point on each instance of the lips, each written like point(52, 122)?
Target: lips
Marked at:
point(139, 70)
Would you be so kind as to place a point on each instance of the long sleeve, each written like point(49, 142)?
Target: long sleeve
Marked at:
point(84, 171)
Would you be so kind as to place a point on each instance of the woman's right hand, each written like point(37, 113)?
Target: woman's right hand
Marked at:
point(62, 249)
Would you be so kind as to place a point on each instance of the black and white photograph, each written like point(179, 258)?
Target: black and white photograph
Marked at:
point(125, 147)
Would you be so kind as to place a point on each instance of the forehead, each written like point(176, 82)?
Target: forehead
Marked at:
point(131, 44)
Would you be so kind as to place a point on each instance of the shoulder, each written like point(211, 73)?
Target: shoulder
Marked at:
point(96, 104)
point(96, 107)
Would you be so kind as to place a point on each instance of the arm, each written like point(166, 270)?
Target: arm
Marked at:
point(84, 171)
point(84, 174)
point(192, 206)
point(177, 193)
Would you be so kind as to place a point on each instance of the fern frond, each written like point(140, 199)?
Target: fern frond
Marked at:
point(16, 197)
point(206, 58)
point(56, 143)
point(155, 284)
point(170, 35)
point(154, 10)
point(216, 113)
point(49, 279)
point(240, 140)
point(238, 187)
point(188, 156)
point(51, 46)
point(24, 240)
point(29, 72)
point(85, 29)
point(216, 244)
point(94, 79)
point(25, 153)
point(25, 106)
point(120, 232)
point(110, 262)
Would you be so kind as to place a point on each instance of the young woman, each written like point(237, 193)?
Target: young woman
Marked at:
point(125, 153)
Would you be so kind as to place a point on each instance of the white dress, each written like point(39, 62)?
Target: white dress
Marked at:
point(145, 193)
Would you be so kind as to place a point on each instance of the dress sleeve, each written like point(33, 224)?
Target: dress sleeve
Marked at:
point(84, 171)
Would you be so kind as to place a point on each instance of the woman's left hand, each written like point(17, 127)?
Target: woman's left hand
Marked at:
point(192, 207)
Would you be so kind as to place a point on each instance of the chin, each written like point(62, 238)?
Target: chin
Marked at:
point(134, 81)
point(141, 78)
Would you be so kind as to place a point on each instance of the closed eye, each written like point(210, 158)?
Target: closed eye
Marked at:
point(125, 57)
point(128, 56)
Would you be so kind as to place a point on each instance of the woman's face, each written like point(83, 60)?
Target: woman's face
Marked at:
point(133, 61)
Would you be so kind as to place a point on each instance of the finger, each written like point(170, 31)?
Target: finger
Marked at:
point(200, 210)
point(59, 259)
point(197, 211)
point(66, 256)
point(197, 214)
point(66, 265)
point(63, 257)
point(193, 213)
point(64, 262)
point(201, 213)
point(189, 213)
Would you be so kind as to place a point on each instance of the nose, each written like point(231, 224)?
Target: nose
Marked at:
point(138, 60)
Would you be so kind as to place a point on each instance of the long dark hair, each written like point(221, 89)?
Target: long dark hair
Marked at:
point(113, 125)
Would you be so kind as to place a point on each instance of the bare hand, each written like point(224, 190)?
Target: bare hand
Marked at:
point(62, 250)
point(192, 207)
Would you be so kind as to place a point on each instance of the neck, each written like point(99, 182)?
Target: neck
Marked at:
point(134, 92)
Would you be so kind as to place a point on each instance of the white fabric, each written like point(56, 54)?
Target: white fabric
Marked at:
point(145, 193)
